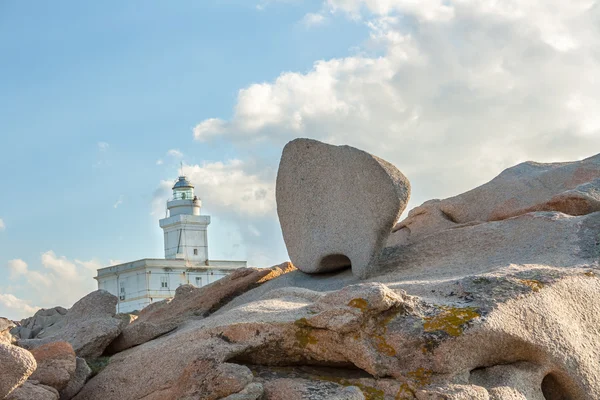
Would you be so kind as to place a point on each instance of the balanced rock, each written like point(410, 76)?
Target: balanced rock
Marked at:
point(89, 326)
point(337, 205)
point(55, 364)
point(16, 365)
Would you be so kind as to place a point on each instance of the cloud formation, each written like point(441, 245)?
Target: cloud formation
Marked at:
point(59, 282)
point(240, 193)
point(313, 19)
point(450, 92)
point(2, 225)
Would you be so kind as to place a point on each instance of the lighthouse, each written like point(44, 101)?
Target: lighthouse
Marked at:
point(184, 228)
point(148, 280)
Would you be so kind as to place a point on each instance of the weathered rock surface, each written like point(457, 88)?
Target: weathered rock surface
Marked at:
point(36, 326)
point(55, 364)
point(572, 188)
point(336, 205)
point(210, 380)
point(32, 390)
point(192, 303)
point(5, 327)
point(82, 373)
point(89, 326)
point(16, 365)
point(301, 389)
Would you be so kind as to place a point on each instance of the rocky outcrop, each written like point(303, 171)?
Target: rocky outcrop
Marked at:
point(89, 326)
point(16, 365)
point(79, 378)
point(484, 308)
point(192, 303)
point(572, 188)
point(336, 205)
point(55, 364)
point(42, 320)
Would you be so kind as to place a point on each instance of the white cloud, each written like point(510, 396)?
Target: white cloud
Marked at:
point(103, 146)
point(227, 187)
point(175, 153)
point(60, 265)
point(208, 128)
point(118, 202)
point(159, 162)
point(2, 225)
point(17, 267)
point(313, 19)
point(61, 281)
point(242, 196)
point(15, 308)
point(450, 92)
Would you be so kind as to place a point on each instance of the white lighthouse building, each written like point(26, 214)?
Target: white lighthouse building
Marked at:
point(141, 282)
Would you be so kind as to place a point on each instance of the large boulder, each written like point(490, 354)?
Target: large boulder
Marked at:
point(89, 326)
point(337, 205)
point(55, 364)
point(191, 302)
point(16, 365)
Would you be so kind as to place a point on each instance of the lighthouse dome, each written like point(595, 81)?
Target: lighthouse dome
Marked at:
point(183, 183)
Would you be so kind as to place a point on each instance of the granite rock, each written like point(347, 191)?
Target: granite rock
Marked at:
point(16, 365)
point(33, 390)
point(89, 326)
point(55, 364)
point(79, 378)
point(191, 302)
point(337, 205)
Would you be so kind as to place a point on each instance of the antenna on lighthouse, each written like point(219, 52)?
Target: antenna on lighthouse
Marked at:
point(181, 163)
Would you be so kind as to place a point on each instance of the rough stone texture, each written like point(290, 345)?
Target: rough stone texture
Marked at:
point(572, 188)
point(191, 302)
point(252, 391)
point(5, 327)
point(36, 326)
point(82, 373)
point(453, 392)
point(498, 309)
point(209, 380)
point(300, 389)
point(33, 390)
point(55, 364)
point(336, 205)
point(89, 326)
point(16, 365)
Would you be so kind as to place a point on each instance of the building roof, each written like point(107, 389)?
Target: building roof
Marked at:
point(183, 183)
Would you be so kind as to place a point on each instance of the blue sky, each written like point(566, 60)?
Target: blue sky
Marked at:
point(101, 101)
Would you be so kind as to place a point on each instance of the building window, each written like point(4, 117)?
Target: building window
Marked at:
point(195, 252)
point(198, 281)
point(122, 293)
point(163, 282)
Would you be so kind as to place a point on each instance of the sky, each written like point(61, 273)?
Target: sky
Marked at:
point(100, 103)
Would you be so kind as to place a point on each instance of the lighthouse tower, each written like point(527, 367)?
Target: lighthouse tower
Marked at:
point(184, 228)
